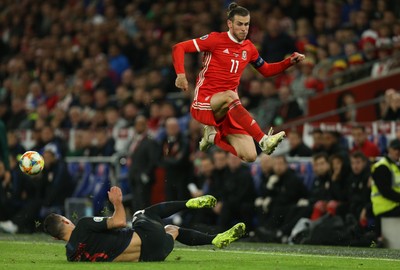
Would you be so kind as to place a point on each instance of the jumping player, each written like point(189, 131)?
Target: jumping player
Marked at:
point(216, 103)
point(106, 239)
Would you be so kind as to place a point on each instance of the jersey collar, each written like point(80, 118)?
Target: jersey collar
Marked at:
point(233, 38)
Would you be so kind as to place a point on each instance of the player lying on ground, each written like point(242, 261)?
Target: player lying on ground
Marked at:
point(216, 103)
point(108, 239)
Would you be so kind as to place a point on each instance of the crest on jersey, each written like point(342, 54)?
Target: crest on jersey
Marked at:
point(98, 219)
point(244, 55)
point(204, 37)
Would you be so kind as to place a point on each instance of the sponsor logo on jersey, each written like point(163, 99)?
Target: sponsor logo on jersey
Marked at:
point(204, 37)
point(98, 219)
point(244, 55)
point(226, 51)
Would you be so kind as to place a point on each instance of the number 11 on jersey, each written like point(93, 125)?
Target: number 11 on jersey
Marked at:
point(235, 66)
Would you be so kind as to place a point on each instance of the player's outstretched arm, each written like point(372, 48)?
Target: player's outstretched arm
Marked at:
point(118, 219)
point(272, 69)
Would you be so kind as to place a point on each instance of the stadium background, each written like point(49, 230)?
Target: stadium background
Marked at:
point(84, 70)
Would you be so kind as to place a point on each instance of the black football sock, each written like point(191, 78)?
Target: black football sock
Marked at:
point(166, 209)
point(194, 238)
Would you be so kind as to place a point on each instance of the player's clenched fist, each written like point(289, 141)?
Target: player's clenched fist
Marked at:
point(296, 57)
point(181, 82)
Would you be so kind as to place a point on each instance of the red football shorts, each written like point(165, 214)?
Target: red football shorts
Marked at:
point(202, 112)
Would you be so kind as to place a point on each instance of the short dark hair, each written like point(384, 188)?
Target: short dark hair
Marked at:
point(282, 157)
point(235, 9)
point(320, 155)
point(52, 225)
point(316, 130)
point(360, 155)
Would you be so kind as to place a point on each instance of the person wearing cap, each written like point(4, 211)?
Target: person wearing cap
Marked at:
point(385, 189)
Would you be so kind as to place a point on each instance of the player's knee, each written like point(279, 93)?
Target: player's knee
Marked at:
point(230, 96)
point(172, 230)
point(251, 157)
point(248, 156)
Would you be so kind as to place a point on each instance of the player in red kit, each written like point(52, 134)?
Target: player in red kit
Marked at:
point(216, 103)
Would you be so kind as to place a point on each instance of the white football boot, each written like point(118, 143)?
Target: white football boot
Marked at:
point(208, 138)
point(269, 142)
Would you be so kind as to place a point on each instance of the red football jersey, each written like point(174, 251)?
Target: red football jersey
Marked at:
point(224, 61)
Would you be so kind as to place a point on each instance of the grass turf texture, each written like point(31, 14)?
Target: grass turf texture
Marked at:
point(40, 252)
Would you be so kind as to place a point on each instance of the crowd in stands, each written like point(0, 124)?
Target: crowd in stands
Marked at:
point(98, 66)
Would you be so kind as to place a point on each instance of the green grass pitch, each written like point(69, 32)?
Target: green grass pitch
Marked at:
point(41, 252)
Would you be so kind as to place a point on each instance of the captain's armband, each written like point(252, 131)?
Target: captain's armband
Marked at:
point(258, 63)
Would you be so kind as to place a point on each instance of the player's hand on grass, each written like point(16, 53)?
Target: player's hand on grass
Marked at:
point(181, 82)
point(296, 57)
point(115, 195)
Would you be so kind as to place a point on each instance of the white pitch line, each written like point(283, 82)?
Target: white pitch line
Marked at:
point(290, 254)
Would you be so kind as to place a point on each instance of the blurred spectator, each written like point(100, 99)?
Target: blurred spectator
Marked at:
point(103, 144)
point(129, 113)
point(331, 141)
point(143, 157)
point(48, 136)
point(281, 194)
point(392, 98)
point(339, 183)
point(18, 114)
point(237, 194)
point(101, 99)
point(14, 145)
point(220, 161)
point(306, 85)
point(289, 108)
point(385, 194)
point(266, 170)
point(118, 62)
point(347, 101)
point(276, 43)
point(269, 105)
point(205, 183)
point(318, 141)
point(296, 145)
point(58, 119)
point(113, 118)
point(358, 189)
point(122, 95)
point(103, 79)
point(75, 118)
point(321, 189)
point(175, 160)
point(35, 97)
point(361, 142)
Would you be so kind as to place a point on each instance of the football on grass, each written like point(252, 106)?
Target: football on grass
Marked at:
point(31, 163)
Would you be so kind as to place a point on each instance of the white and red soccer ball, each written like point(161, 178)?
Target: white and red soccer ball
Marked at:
point(31, 163)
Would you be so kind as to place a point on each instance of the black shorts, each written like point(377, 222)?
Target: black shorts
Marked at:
point(156, 243)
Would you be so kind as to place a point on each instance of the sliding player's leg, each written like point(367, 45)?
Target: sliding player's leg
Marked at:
point(195, 238)
point(166, 209)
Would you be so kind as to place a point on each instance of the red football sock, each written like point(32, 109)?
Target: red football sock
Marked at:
point(224, 145)
point(243, 117)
